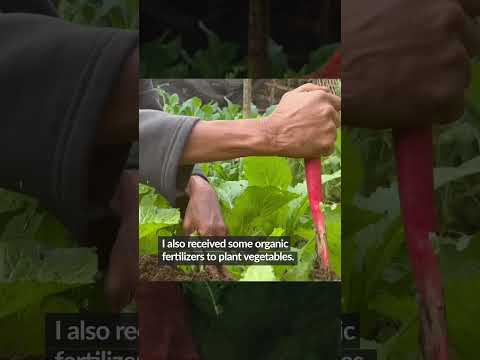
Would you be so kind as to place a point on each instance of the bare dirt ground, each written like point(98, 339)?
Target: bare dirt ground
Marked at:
point(322, 274)
point(150, 271)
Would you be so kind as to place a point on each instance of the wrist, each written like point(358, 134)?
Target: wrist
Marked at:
point(271, 135)
point(263, 138)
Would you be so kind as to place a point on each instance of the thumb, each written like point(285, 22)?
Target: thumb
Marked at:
point(188, 227)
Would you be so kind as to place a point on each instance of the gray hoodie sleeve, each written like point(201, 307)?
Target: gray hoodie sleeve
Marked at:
point(48, 148)
point(148, 97)
point(162, 141)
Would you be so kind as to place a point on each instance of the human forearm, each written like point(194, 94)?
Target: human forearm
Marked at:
point(303, 125)
point(224, 140)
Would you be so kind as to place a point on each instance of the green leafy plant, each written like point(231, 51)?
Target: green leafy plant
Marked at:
point(41, 270)
point(293, 320)
point(121, 14)
point(166, 58)
point(259, 196)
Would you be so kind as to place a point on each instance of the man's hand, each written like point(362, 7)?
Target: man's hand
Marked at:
point(303, 126)
point(404, 62)
point(122, 275)
point(203, 214)
point(305, 122)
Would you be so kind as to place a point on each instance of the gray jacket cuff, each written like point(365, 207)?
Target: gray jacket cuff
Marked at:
point(162, 141)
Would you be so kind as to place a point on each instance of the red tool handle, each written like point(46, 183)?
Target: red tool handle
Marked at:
point(313, 174)
point(414, 157)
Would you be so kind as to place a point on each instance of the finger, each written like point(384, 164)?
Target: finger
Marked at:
point(334, 100)
point(188, 227)
point(308, 87)
point(337, 119)
point(123, 271)
point(204, 230)
point(220, 230)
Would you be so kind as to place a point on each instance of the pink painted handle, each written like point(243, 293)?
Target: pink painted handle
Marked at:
point(414, 157)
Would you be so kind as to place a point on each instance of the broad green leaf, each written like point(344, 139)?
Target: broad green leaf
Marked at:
point(157, 218)
point(12, 201)
point(393, 307)
point(297, 208)
point(18, 295)
point(444, 175)
point(462, 308)
point(473, 93)
point(334, 235)
point(154, 209)
point(27, 275)
point(307, 256)
point(228, 191)
point(268, 171)
point(63, 265)
point(329, 177)
point(353, 162)
point(254, 210)
point(277, 232)
point(259, 273)
point(23, 333)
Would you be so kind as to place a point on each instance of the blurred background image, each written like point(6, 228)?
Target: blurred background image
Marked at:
point(237, 39)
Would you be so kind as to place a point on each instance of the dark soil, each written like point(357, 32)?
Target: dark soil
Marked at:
point(150, 271)
point(323, 274)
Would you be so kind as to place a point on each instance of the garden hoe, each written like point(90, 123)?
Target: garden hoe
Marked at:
point(313, 172)
point(414, 161)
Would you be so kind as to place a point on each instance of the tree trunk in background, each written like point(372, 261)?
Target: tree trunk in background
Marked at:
point(247, 97)
point(258, 32)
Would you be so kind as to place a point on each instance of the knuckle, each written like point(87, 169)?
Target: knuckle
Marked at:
point(330, 111)
point(331, 128)
point(322, 95)
point(446, 102)
point(205, 230)
point(328, 144)
point(221, 230)
point(329, 149)
point(334, 132)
